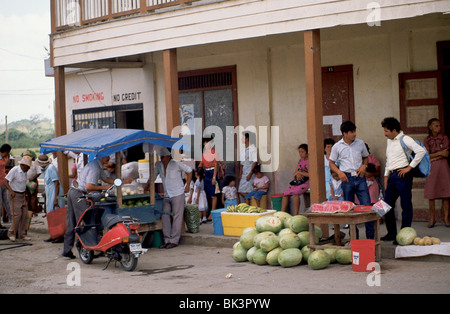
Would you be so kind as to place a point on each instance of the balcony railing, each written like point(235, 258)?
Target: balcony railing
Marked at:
point(72, 13)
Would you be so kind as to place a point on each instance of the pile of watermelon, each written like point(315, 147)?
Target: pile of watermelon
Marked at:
point(281, 239)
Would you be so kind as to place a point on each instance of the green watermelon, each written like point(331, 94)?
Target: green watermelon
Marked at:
point(305, 252)
point(318, 259)
point(304, 238)
point(290, 257)
point(344, 256)
point(272, 256)
point(269, 243)
point(239, 254)
point(285, 231)
point(332, 254)
point(298, 223)
point(259, 257)
point(268, 223)
point(406, 236)
point(246, 239)
point(250, 254)
point(257, 239)
point(282, 215)
point(288, 241)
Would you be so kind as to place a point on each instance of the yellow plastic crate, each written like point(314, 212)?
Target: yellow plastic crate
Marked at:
point(234, 223)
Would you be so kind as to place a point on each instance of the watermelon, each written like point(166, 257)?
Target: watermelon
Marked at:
point(246, 239)
point(250, 254)
point(298, 223)
point(272, 256)
point(304, 238)
point(288, 241)
point(285, 231)
point(269, 243)
point(257, 239)
point(406, 236)
point(290, 257)
point(305, 252)
point(259, 257)
point(282, 216)
point(268, 223)
point(239, 254)
point(344, 256)
point(332, 253)
point(318, 260)
point(248, 229)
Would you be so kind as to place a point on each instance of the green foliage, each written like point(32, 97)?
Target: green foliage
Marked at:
point(28, 133)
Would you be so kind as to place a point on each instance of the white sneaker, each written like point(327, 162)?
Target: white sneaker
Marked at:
point(12, 238)
point(26, 238)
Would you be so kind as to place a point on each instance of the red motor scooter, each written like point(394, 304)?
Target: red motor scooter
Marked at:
point(120, 242)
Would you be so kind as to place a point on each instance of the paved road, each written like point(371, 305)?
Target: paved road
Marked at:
point(39, 268)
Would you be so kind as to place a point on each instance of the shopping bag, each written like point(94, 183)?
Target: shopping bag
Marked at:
point(56, 221)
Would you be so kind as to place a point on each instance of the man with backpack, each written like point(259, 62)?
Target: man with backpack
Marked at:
point(398, 175)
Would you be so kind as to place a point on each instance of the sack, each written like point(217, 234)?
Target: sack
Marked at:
point(299, 182)
point(192, 218)
point(423, 168)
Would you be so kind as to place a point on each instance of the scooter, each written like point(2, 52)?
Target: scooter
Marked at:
point(116, 237)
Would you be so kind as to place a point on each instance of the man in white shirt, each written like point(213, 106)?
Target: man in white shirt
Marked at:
point(172, 173)
point(398, 178)
point(16, 183)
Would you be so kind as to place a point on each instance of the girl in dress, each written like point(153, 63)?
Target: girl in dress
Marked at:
point(437, 185)
point(229, 192)
point(199, 195)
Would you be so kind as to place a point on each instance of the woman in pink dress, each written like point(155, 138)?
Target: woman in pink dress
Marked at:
point(301, 172)
point(437, 185)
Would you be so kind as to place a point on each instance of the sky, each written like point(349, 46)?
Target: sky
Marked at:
point(24, 38)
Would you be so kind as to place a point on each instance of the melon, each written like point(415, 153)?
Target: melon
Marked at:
point(285, 231)
point(282, 216)
point(258, 238)
point(304, 238)
point(286, 222)
point(344, 256)
point(298, 223)
point(406, 236)
point(268, 223)
point(259, 257)
point(288, 241)
point(318, 259)
point(246, 239)
point(239, 254)
point(269, 243)
point(250, 254)
point(248, 229)
point(272, 256)
point(332, 254)
point(290, 257)
point(305, 252)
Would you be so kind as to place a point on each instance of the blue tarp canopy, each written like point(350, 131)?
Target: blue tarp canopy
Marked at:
point(99, 143)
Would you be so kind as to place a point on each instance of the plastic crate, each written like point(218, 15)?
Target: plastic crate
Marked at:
point(234, 223)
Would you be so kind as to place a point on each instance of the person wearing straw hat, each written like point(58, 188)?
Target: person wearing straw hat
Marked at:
point(16, 183)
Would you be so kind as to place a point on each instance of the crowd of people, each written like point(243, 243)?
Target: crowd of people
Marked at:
point(351, 174)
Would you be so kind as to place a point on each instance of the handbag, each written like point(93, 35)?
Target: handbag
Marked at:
point(423, 168)
point(298, 182)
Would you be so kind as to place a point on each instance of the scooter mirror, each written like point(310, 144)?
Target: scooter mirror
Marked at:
point(118, 182)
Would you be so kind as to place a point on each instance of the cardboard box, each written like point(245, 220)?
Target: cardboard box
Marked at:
point(234, 223)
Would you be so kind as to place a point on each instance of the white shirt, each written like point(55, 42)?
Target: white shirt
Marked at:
point(172, 178)
point(17, 179)
point(350, 157)
point(396, 157)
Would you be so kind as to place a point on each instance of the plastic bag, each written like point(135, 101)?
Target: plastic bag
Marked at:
point(381, 208)
point(192, 218)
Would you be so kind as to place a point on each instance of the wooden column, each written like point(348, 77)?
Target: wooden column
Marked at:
point(171, 87)
point(314, 115)
point(60, 124)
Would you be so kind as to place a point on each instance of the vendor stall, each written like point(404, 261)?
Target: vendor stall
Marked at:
point(99, 143)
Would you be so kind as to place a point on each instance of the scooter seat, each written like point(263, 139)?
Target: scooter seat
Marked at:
point(110, 220)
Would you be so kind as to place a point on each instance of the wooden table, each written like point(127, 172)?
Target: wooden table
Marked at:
point(352, 219)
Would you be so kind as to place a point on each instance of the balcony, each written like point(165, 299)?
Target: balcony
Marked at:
point(68, 14)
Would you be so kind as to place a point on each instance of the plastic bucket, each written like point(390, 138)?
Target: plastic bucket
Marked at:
point(217, 221)
point(157, 239)
point(363, 253)
point(276, 201)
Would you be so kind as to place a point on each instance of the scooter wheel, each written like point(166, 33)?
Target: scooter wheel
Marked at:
point(86, 256)
point(129, 262)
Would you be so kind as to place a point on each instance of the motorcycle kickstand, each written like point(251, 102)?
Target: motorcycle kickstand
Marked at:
point(109, 261)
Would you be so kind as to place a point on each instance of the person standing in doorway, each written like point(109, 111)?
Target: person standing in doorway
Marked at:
point(248, 158)
point(352, 155)
point(398, 178)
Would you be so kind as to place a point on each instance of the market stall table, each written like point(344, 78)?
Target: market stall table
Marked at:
point(351, 218)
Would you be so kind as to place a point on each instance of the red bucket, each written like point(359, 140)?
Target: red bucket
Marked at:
point(363, 253)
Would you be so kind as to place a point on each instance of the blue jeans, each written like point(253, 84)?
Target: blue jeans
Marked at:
point(357, 185)
point(256, 194)
point(230, 202)
point(396, 187)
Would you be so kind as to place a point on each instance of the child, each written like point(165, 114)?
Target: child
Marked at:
point(199, 195)
point(188, 195)
point(260, 186)
point(229, 192)
point(336, 192)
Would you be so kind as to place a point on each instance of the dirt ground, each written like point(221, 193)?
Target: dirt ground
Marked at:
point(39, 268)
